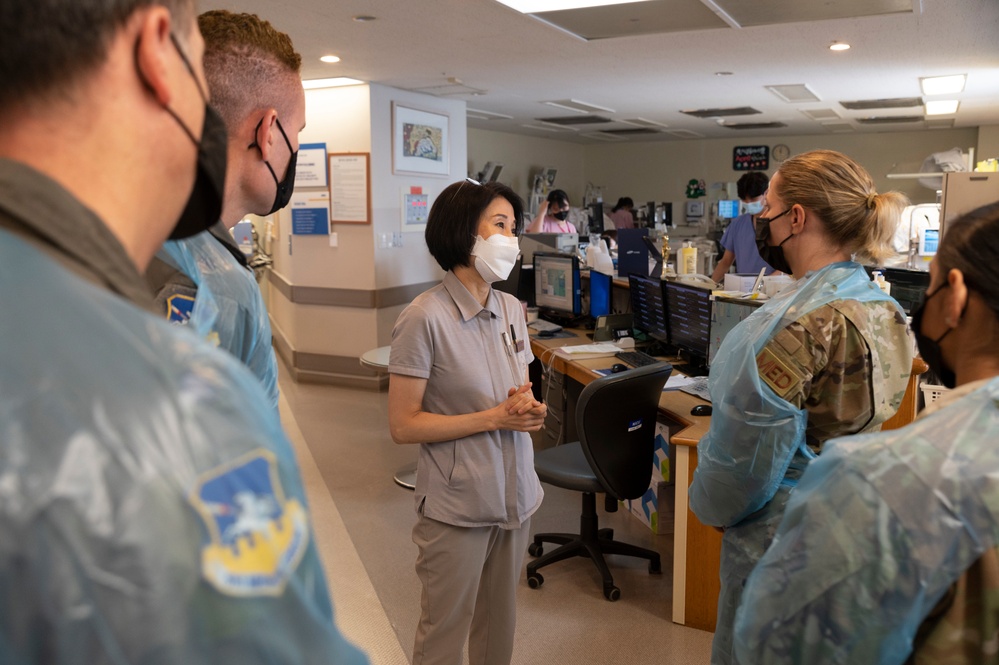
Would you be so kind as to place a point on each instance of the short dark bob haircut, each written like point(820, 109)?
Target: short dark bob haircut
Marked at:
point(454, 219)
point(558, 196)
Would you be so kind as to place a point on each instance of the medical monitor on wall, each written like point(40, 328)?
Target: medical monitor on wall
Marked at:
point(688, 317)
point(647, 307)
point(556, 285)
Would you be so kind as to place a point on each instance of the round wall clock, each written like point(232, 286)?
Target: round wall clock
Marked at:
point(780, 152)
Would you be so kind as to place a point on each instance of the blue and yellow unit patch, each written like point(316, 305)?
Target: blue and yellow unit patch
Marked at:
point(254, 536)
point(179, 308)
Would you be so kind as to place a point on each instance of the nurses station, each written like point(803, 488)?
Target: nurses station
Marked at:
point(397, 281)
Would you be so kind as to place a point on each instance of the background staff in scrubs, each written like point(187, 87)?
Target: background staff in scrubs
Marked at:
point(458, 387)
point(828, 356)
point(888, 550)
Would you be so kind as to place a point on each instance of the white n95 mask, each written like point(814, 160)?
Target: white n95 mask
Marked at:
point(495, 257)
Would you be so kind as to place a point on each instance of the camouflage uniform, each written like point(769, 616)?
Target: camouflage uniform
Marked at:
point(889, 541)
point(828, 356)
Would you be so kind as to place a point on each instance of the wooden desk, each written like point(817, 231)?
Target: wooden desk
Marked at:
point(696, 548)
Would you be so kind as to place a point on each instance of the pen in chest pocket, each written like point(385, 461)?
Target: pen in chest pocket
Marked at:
point(510, 344)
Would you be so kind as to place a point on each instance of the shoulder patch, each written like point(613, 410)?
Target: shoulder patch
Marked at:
point(254, 536)
point(179, 308)
point(782, 378)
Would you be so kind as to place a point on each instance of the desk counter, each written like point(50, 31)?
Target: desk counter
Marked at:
point(696, 548)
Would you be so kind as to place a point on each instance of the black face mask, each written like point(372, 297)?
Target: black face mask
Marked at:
point(204, 205)
point(285, 187)
point(772, 254)
point(562, 215)
point(929, 348)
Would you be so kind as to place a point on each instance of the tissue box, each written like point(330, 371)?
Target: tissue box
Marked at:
point(739, 282)
point(656, 508)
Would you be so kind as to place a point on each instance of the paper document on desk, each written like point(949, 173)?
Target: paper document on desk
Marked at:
point(693, 385)
point(584, 351)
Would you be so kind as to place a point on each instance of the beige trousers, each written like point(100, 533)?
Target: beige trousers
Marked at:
point(469, 577)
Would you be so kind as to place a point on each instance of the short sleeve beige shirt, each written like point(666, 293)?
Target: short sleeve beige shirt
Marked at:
point(446, 337)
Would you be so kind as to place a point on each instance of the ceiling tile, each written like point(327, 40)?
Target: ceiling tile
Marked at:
point(768, 12)
point(631, 19)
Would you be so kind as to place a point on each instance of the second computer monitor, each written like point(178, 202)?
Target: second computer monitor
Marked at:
point(688, 317)
point(647, 307)
point(556, 284)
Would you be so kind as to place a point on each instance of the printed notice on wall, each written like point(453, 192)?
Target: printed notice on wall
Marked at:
point(311, 166)
point(350, 188)
point(310, 213)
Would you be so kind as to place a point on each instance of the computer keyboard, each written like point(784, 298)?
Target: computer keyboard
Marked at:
point(636, 358)
point(544, 326)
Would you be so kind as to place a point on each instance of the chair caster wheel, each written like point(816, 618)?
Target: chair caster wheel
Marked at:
point(655, 566)
point(535, 549)
point(535, 581)
point(612, 593)
point(605, 534)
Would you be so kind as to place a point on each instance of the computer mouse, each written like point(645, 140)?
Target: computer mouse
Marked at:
point(619, 367)
point(701, 410)
point(547, 334)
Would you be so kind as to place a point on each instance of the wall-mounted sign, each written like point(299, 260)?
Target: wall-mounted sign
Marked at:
point(751, 158)
point(350, 185)
point(310, 170)
point(310, 213)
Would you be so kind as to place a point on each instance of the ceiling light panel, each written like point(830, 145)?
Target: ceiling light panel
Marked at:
point(643, 122)
point(578, 106)
point(536, 6)
point(942, 107)
point(943, 85)
point(769, 12)
point(634, 18)
point(798, 92)
point(890, 119)
point(336, 82)
point(754, 125)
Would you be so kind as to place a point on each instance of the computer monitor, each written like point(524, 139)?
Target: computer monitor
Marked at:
point(688, 318)
point(726, 314)
point(600, 294)
point(556, 285)
point(907, 286)
point(647, 307)
point(928, 241)
point(727, 209)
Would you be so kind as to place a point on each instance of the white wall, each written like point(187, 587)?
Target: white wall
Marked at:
point(660, 170)
point(523, 156)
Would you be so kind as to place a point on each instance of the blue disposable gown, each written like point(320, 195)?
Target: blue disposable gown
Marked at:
point(755, 449)
point(879, 528)
point(151, 509)
point(228, 305)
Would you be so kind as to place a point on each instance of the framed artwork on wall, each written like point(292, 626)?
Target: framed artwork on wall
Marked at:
point(420, 141)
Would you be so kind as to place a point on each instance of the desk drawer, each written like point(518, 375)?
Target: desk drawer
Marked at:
point(552, 432)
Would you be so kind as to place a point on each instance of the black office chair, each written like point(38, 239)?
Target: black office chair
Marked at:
point(616, 420)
